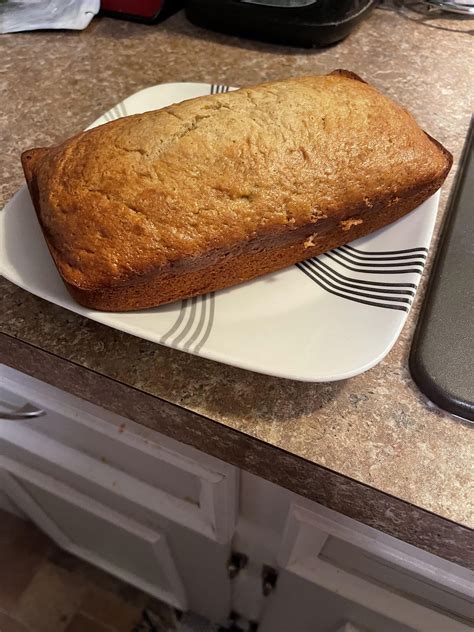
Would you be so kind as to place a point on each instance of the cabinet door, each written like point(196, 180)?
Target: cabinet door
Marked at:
point(180, 483)
point(90, 530)
point(304, 606)
point(314, 594)
point(195, 555)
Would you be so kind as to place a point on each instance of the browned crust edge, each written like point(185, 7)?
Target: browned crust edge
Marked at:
point(347, 73)
point(30, 160)
point(243, 267)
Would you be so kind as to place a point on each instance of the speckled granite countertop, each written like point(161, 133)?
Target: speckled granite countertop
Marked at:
point(371, 447)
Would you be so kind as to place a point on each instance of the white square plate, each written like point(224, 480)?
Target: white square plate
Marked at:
point(328, 318)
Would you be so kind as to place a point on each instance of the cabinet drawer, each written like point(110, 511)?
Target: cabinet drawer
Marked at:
point(373, 567)
point(99, 535)
point(186, 485)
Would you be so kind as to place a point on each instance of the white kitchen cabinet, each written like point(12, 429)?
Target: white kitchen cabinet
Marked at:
point(7, 504)
point(327, 599)
point(174, 490)
point(195, 556)
point(167, 518)
point(90, 530)
point(300, 605)
point(332, 571)
point(385, 589)
point(189, 487)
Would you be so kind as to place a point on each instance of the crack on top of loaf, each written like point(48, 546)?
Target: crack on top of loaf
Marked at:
point(251, 99)
point(133, 150)
point(111, 198)
point(232, 196)
point(206, 112)
point(304, 153)
point(130, 150)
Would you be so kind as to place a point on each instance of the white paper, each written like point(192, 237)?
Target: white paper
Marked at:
point(33, 15)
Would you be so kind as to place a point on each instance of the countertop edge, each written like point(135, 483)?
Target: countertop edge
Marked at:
point(354, 499)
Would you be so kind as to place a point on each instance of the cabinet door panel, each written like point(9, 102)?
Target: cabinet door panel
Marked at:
point(302, 606)
point(190, 487)
point(322, 536)
point(196, 556)
point(104, 537)
point(314, 593)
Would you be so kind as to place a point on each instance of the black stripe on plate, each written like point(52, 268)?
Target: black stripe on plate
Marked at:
point(396, 264)
point(387, 252)
point(385, 271)
point(115, 112)
point(363, 281)
point(201, 322)
point(122, 110)
point(210, 322)
point(219, 88)
point(335, 286)
point(174, 327)
point(318, 281)
point(369, 257)
point(189, 323)
point(355, 285)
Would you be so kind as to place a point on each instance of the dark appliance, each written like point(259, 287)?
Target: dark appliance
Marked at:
point(307, 23)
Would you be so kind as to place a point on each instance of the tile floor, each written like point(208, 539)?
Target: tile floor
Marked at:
point(44, 589)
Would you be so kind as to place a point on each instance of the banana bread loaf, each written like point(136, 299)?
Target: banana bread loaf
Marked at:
point(217, 190)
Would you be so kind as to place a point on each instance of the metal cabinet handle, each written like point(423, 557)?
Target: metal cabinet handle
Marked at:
point(28, 411)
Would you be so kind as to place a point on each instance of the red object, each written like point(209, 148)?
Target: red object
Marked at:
point(145, 9)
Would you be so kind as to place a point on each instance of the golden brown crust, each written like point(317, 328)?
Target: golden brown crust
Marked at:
point(348, 74)
point(238, 268)
point(220, 189)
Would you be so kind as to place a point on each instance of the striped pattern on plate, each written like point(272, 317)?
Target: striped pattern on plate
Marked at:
point(395, 293)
